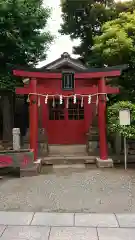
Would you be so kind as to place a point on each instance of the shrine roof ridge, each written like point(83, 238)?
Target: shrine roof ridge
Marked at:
point(92, 70)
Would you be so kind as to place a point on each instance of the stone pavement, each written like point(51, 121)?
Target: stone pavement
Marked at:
point(66, 226)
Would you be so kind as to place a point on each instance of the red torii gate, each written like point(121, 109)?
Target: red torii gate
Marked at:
point(101, 89)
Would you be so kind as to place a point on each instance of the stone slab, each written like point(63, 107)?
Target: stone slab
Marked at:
point(25, 233)
point(95, 220)
point(104, 163)
point(116, 234)
point(73, 233)
point(53, 219)
point(75, 166)
point(2, 228)
point(15, 218)
point(126, 220)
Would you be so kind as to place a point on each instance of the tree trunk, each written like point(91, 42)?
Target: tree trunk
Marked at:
point(7, 118)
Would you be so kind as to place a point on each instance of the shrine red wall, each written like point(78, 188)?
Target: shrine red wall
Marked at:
point(57, 84)
point(52, 84)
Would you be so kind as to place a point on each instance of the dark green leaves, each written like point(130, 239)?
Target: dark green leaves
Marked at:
point(113, 119)
point(21, 40)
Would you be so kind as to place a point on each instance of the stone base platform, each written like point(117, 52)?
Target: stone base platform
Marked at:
point(104, 163)
point(75, 159)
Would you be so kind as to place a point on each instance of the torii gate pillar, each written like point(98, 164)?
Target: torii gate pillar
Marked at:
point(102, 120)
point(33, 117)
point(103, 161)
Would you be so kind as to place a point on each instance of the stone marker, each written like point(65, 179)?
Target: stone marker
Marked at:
point(16, 139)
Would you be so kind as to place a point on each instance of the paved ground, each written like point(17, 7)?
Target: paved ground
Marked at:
point(66, 226)
point(94, 190)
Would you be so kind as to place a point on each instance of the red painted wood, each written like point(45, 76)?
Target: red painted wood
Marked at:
point(76, 133)
point(22, 90)
point(57, 130)
point(75, 129)
point(44, 75)
point(78, 90)
point(102, 121)
point(42, 100)
point(82, 75)
point(33, 111)
point(89, 75)
point(112, 90)
point(66, 131)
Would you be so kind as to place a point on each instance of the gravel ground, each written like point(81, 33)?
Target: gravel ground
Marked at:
point(94, 190)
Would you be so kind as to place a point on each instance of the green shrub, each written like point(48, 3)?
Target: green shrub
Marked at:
point(113, 119)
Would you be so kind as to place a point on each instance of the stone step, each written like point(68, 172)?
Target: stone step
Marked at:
point(57, 160)
point(57, 155)
point(67, 150)
point(68, 160)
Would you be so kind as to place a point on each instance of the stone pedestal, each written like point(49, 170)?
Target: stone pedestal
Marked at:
point(42, 142)
point(104, 163)
point(93, 148)
point(16, 139)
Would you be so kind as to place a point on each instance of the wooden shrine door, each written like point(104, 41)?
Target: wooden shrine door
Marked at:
point(66, 125)
point(56, 127)
point(76, 122)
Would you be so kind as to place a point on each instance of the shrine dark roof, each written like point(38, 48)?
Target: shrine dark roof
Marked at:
point(66, 63)
point(65, 60)
point(92, 70)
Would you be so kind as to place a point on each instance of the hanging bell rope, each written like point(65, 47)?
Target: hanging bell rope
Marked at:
point(67, 103)
point(82, 102)
point(61, 99)
point(28, 99)
point(38, 101)
point(89, 99)
point(46, 99)
point(97, 101)
point(74, 99)
point(53, 102)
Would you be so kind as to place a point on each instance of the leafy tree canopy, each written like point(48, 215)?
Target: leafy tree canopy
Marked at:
point(117, 41)
point(115, 46)
point(84, 20)
point(23, 38)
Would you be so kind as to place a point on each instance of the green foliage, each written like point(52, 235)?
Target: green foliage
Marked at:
point(23, 38)
point(115, 46)
point(116, 43)
point(84, 20)
point(113, 119)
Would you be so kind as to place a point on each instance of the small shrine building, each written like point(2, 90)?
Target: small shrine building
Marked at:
point(67, 92)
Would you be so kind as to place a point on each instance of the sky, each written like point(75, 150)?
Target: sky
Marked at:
point(61, 43)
